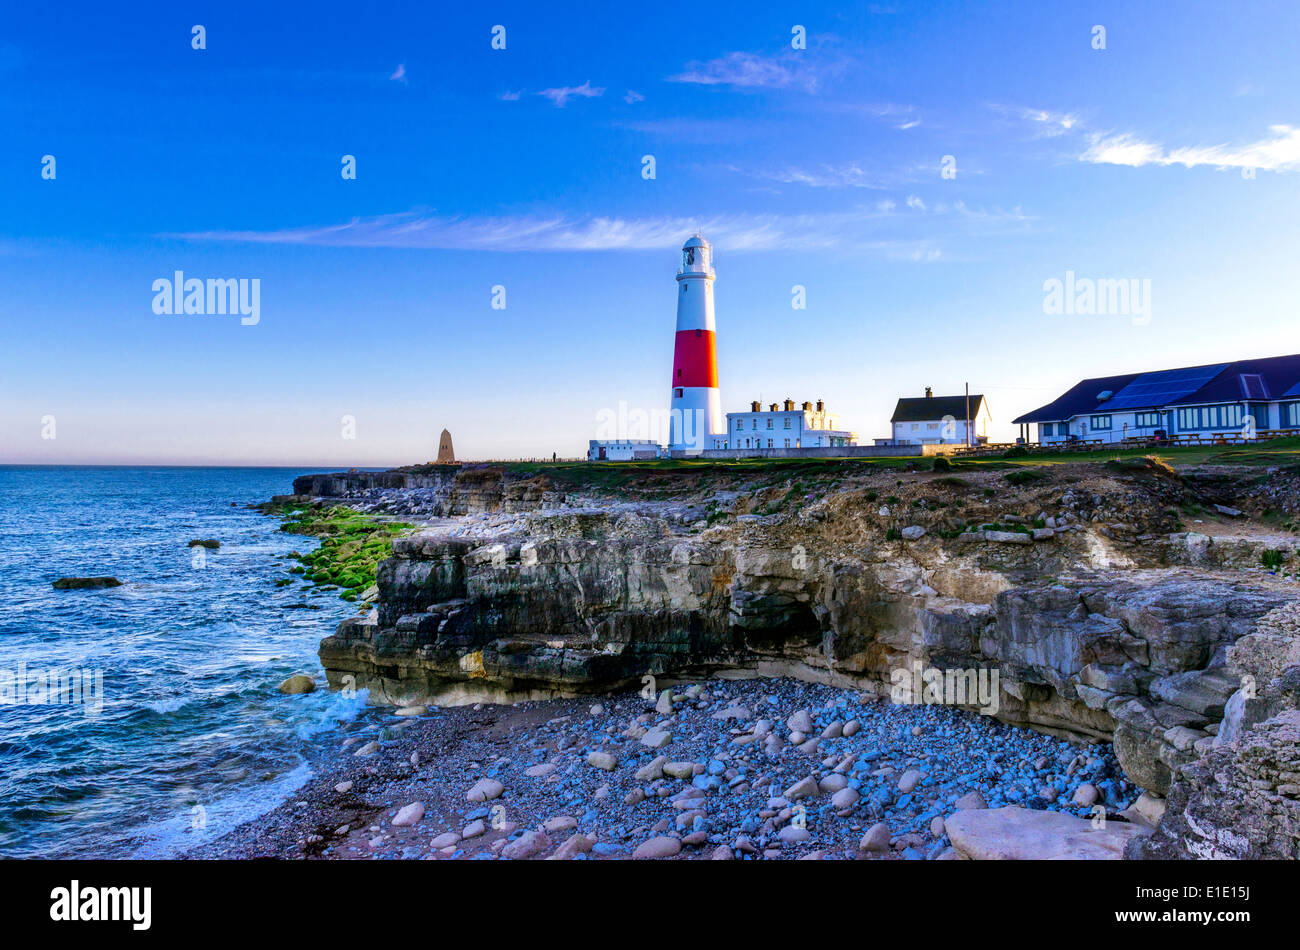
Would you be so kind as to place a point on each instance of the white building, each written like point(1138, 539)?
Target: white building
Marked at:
point(940, 420)
point(1238, 400)
point(783, 426)
point(624, 450)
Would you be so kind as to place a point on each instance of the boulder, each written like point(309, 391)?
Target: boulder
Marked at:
point(1013, 833)
point(298, 683)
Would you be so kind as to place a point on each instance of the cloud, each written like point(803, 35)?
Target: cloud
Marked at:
point(508, 96)
point(1279, 153)
point(562, 94)
point(1047, 122)
point(399, 74)
point(915, 203)
point(850, 175)
point(855, 228)
point(633, 96)
point(751, 71)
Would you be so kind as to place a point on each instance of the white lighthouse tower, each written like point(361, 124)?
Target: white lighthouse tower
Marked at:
point(696, 408)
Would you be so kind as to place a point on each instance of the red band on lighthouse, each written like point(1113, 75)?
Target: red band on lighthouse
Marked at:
point(695, 361)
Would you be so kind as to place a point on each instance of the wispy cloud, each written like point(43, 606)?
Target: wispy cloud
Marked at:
point(509, 96)
point(399, 74)
point(562, 94)
point(1280, 152)
point(1046, 122)
point(633, 96)
point(751, 71)
point(851, 175)
point(864, 228)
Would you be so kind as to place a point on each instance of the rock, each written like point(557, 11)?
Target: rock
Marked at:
point(528, 845)
point(596, 711)
point(652, 771)
point(1146, 811)
point(298, 683)
point(876, 838)
point(408, 815)
point(90, 583)
point(660, 847)
point(801, 721)
point(937, 827)
point(971, 801)
point(1229, 512)
point(665, 704)
point(473, 829)
point(1086, 795)
point(804, 788)
point(791, 834)
point(485, 790)
point(913, 532)
point(540, 770)
point(733, 712)
point(417, 710)
point(656, 739)
point(845, 799)
point(602, 760)
point(833, 731)
point(634, 797)
point(722, 853)
point(851, 727)
point(560, 823)
point(909, 780)
point(445, 840)
point(343, 787)
point(679, 770)
point(574, 845)
point(367, 750)
point(1013, 833)
point(1241, 801)
point(208, 543)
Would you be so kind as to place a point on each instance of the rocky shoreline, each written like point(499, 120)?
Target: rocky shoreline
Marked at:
point(1121, 602)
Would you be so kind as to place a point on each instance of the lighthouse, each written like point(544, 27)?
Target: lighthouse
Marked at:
point(695, 411)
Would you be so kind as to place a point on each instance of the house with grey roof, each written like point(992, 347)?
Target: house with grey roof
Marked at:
point(940, 420)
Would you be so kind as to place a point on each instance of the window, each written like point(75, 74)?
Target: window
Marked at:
point(740, 424)
point(787, 422)
point(787, 443)
point(678, 392)
point(915, 427)
point(1209, 417)
point(753, 424)
point(769, 423)
point(1291, 414)
point(1147, 420)
point(769, 443)
point(932, 425)
point(1099, 422)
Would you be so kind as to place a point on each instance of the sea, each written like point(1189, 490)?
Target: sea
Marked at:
point(170, 729)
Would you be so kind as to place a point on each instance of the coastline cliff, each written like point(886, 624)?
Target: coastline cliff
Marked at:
point(1121, 603)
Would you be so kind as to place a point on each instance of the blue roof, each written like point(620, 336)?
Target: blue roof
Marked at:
point(1164, 386)
point(1269, 378)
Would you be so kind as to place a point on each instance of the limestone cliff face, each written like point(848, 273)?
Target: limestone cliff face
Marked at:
point(531, 593)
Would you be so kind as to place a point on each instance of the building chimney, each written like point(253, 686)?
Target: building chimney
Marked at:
point(789, 405)
point(755, 406)
point(929, 393)
point(772, 407)
point(820, 405)
point(807, 407)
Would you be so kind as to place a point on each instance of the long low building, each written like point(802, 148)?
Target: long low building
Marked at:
point(1234, 398)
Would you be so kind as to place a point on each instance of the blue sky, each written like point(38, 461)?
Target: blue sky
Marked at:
point(522, 167)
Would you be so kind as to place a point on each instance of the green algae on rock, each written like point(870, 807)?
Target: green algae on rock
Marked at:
point(352, 544)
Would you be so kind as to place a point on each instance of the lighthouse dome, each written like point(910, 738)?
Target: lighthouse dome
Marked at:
point(697, 257)
point(696, 240)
